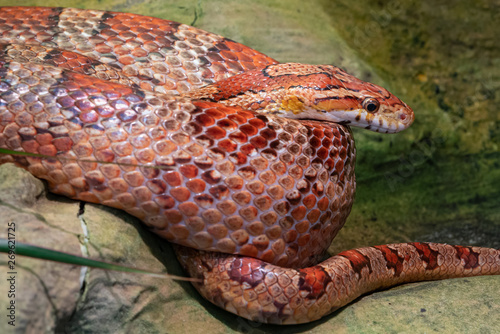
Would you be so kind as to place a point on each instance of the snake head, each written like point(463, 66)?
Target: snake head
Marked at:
point(331, 94)
point(317, 92)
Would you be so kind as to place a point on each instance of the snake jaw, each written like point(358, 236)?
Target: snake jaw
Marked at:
point(345, 100)
point(389, 113)
point(391, 117)
point(397, 122)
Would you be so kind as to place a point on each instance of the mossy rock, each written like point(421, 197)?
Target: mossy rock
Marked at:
point(437, 181)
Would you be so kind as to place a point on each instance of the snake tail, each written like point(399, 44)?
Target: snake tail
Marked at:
point(266, 293)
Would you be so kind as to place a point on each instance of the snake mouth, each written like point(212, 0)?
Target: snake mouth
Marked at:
point(389, 122)
point(392, 122)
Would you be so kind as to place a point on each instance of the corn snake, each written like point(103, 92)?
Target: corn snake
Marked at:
point(235, 180)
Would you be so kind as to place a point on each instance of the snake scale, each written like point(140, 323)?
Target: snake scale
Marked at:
point(247, 165)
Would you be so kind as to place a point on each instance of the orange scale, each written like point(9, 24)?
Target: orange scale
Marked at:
point(105, 155)
point(125, 59)
point(49, 150)
point(30, 146)
point(145, 156)
point(146, 36)
point(249, 129)
point(323, 204)
point(122, 90)
point(69, 55)
point(229, 55)
point(329, 164)
point(216, 132)
point(309, 201)
point(43, 36)
point(267, 256)
point(237, 118)
point(173, 178)
point(165, 201)
point(339, 166)
point(156, 186)
point(238, 137)
point(227, 124)
point(189, 171)
point(196, 186)
point(120, 27)
point(139, 52)
point(235, 47)
point(72, 64)
point(151, 46)
point(234, 182)
point(227, 207)
point(204, 119)
point(88, 197)
point(142, 194)
point(303, 240)
point(216, 113)
point(227, 145)
point(329, 135)
point(344, 141)
point(173, 216)
point(242, 198)
point(122, 149)
point(155, 24)
point(114, 41)
point(108, 33)
point(240, 237)
point(134, 178)
point(259, 142)
point(299, 213)
point(188, 209)
point(150, 207)
point(219, 191)
point(246, 114)
point(136, 28)
point(211, 177)
point(62, 144)
point(315, 142)
point(181, 194)
point(261, 242)
point(249, 250)
point(238, 158)
point(282, 208)
point(79, 81)
point(263, 203)
point(289, 237)
point(343, 153)
point(234, 222)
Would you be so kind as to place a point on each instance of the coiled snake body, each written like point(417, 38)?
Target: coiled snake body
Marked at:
point(246, 164)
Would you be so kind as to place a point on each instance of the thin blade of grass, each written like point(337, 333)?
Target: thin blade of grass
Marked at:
point(56, 256)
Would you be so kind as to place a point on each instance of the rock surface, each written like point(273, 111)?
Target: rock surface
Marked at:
point(438, 181)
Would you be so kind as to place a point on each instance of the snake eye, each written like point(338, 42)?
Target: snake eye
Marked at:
point(371, 105)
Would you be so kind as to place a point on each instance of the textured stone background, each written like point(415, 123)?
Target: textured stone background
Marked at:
point(438, 181)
